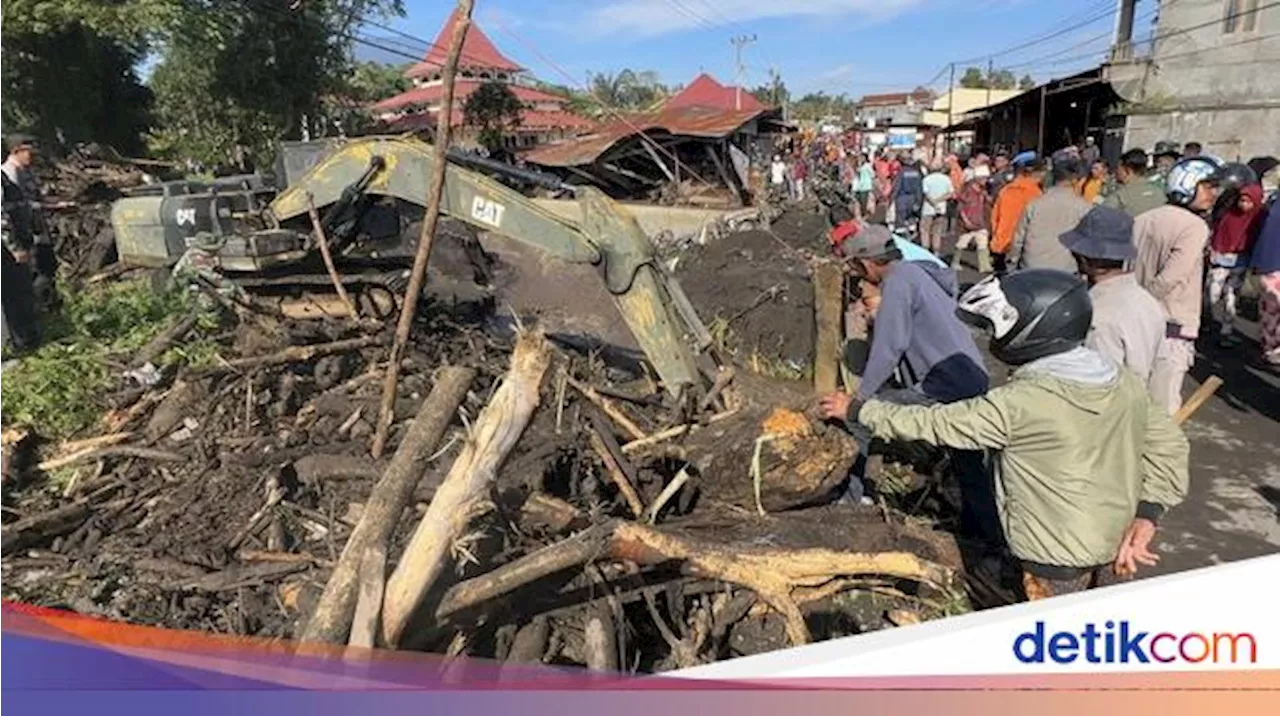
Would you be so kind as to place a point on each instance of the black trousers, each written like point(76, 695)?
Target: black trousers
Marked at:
point(19, 305)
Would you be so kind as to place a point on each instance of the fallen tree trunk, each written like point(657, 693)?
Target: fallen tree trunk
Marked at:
point(495, 432)
point(331, 620)
point(771, 573)
point(530, 643)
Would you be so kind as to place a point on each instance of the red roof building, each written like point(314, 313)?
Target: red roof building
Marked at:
point(704, 91)
point(545, 116)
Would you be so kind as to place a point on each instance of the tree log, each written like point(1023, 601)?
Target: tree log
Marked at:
point(113, 451)
point(576, 550)
point(426, 239)
point(493, 436)
point(158, 345)
point(771, 573)
point(331, 620)
point(828, 295)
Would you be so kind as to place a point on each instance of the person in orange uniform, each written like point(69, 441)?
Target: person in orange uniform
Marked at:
point(1011, 202)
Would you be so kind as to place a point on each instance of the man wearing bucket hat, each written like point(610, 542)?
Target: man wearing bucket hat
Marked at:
point(1128, 323)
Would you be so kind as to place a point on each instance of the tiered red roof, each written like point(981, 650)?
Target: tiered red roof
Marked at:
point(477, 51)
point(704, 91)
point(479, 55)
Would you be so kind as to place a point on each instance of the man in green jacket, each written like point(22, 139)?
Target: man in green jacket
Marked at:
point(1087, 464)
point(1135, 193)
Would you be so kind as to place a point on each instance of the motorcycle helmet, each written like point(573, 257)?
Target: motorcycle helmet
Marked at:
point(1186, 175)
point(1031, 313)
point(1234, 176)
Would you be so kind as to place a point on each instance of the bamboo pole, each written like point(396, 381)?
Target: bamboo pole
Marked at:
point(386, 412)
point(323, 243)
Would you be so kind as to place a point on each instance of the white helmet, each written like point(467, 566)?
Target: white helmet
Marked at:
point(1187, 174)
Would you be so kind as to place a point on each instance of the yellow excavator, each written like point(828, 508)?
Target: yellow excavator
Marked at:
point(370, 191)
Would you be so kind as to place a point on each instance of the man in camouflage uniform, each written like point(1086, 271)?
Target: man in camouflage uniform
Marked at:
point(21, 326)
point(200, 261)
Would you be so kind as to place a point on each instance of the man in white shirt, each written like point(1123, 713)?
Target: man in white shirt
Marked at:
point(938, 190)
point(1128, 323)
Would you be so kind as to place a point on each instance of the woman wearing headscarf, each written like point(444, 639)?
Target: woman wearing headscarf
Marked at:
point(1266, 262)
point(1232, 240)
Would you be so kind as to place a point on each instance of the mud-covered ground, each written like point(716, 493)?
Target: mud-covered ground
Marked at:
point(755, 287)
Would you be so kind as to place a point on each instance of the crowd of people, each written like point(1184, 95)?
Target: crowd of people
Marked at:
point(1094, 283)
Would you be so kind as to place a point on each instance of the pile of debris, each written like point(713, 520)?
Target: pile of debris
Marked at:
point(536, 504)
point(79, 189)
point(754, 290)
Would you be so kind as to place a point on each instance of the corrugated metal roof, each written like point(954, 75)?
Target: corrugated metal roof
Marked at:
point(702, 122)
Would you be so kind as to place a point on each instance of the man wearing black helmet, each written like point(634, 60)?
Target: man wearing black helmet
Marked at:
point(1077, 510)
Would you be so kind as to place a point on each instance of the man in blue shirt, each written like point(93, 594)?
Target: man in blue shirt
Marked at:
point(916, 335)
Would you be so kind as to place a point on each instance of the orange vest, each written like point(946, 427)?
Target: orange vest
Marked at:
point(1006, 213)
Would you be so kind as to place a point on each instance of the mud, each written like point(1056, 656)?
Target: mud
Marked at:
point(754, 288)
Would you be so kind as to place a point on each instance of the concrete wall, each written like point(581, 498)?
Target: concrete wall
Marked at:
point(1205, 84)
point(1235, 134)
point(653, 219)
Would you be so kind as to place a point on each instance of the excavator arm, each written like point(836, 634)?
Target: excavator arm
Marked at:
point(606, 236)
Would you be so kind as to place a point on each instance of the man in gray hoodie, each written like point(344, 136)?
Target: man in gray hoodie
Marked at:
point(917, 334)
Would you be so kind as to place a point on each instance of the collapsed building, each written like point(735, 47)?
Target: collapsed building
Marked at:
point(703, 147)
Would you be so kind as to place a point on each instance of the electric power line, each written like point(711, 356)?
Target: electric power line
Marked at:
point(1153, 39)
point(1040, 38)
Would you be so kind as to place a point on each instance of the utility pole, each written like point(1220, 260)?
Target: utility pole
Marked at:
point(739, 42)
point(991, 70)
point(951, 102)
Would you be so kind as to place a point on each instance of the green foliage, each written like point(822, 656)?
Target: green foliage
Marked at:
point(494, 110)
point(628, 90)
point(58, 389)
point(816, 105)
point(975, 78)
point(240, 75)
point(373, 81)
point(1027, 82)
point(775, 93)
point(74, 81)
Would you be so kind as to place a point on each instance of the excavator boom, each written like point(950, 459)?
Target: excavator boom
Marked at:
point(606, 236)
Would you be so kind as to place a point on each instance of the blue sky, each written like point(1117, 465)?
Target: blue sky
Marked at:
point(851, 46)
